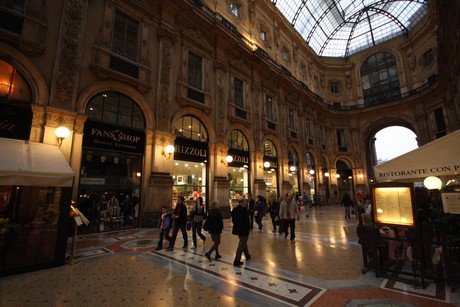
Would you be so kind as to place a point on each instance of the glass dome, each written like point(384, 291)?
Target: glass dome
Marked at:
point(339, 28)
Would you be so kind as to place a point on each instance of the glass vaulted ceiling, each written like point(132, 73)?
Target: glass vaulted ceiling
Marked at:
point(339, 28)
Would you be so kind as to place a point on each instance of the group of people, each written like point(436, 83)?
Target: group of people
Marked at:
point(283, 215)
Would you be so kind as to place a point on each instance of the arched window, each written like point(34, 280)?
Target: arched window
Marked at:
point(270, 149)
point(115, 108)
point(237, 140)
point(13, 86)
point(190, 127)
point(380, 79)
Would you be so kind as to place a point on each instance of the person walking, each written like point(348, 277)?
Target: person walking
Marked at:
point(346, 203)
point(274, 209)
point(180, 221)
point(289, 212)
point(241, 225)
point(197, 216)
point(259, 212)
point(306, 203)
point(164, 223)
point(251, 208)
point(214, 225)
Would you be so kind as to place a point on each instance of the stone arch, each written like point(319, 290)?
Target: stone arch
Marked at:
point(122, 88)
point(35, 79)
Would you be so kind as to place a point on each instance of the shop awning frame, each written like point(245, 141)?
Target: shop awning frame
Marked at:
point(440, 157)
point(27, 163)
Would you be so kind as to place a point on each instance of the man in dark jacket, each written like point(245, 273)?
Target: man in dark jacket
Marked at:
point(180, 221)
point(240, 220)
point(251, 204)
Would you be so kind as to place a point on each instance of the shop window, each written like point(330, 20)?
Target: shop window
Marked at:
point(115, 108)
point(191, 128)
point(237, 140)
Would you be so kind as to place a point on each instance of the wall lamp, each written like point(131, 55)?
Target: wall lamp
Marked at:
point(228, 159)
point(168, 151)
point(432, 183)
point(312, 172)
point(292, 168)
point(266, 164)
point(62, 133)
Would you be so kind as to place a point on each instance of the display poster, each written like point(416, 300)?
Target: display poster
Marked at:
point(393, 205)
point(451, 202)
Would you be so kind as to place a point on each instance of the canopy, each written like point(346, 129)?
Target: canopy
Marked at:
point(33, 164)
point(440, 157)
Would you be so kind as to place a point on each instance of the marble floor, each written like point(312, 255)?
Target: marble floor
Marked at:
point(322, 267)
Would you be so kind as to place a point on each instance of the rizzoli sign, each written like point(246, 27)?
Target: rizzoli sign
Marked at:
point(190, 150)
point(104, 136)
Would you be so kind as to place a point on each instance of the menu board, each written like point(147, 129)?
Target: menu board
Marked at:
point(393, 203)
point(451, 202)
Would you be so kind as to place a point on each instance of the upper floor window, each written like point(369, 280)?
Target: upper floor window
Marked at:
point(303, 70)
point(309, 128)
point(291, 119)
point(125, 39)
point(285, 54)
point(439, 122)
point(334, 87)
point(263, 36)
point(380, 79)
point(237, 140)
point(238, 93)
point(195, 71)
point(428, 58)
point(115, 108)
point(269, 108)
point(322, 135)
point(191, 127)
point(235, 9)
point(341, 140)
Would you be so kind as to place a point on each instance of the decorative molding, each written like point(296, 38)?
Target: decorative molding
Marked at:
point(164, 103)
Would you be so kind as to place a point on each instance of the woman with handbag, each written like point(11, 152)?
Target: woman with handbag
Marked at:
point(197, 216)
point(214, 225)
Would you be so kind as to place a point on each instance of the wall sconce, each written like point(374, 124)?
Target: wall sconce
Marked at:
point(266, 164)
point(292, 168)
point(337, 176)
point(228, 159)
point(168, 151)
point(326, 174)
point(138, 174)
point(62, 133)
point(311, 172)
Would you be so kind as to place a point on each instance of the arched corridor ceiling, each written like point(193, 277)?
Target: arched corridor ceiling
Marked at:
point(339, 28)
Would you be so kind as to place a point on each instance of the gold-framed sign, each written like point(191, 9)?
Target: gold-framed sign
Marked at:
point(393, 203)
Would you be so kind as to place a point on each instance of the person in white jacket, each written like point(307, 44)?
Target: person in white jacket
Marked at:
point(289, 212)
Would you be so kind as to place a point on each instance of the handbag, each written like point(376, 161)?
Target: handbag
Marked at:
point(189, 225)
point(206, 225)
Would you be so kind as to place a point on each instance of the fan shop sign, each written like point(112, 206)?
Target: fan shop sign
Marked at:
point(110, 137)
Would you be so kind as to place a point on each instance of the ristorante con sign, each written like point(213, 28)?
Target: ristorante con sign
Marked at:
point(110, 137)
point(190, 150)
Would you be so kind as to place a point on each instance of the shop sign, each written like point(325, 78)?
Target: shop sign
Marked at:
point(92, 181)
point(240, 158)
point(111, 137)
point(15, 121)
point(190, 150)
point(272, 160)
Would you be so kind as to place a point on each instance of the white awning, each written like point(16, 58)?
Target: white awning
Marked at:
point(33, 164)
point(440, 157)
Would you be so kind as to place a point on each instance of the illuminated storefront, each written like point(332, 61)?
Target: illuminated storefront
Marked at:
point(190, 171)
point(111, 165)
point(270, 170)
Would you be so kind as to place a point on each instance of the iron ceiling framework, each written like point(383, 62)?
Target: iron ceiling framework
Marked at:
point(339, 28)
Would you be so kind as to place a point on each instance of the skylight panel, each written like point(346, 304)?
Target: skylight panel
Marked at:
point(289, 8)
